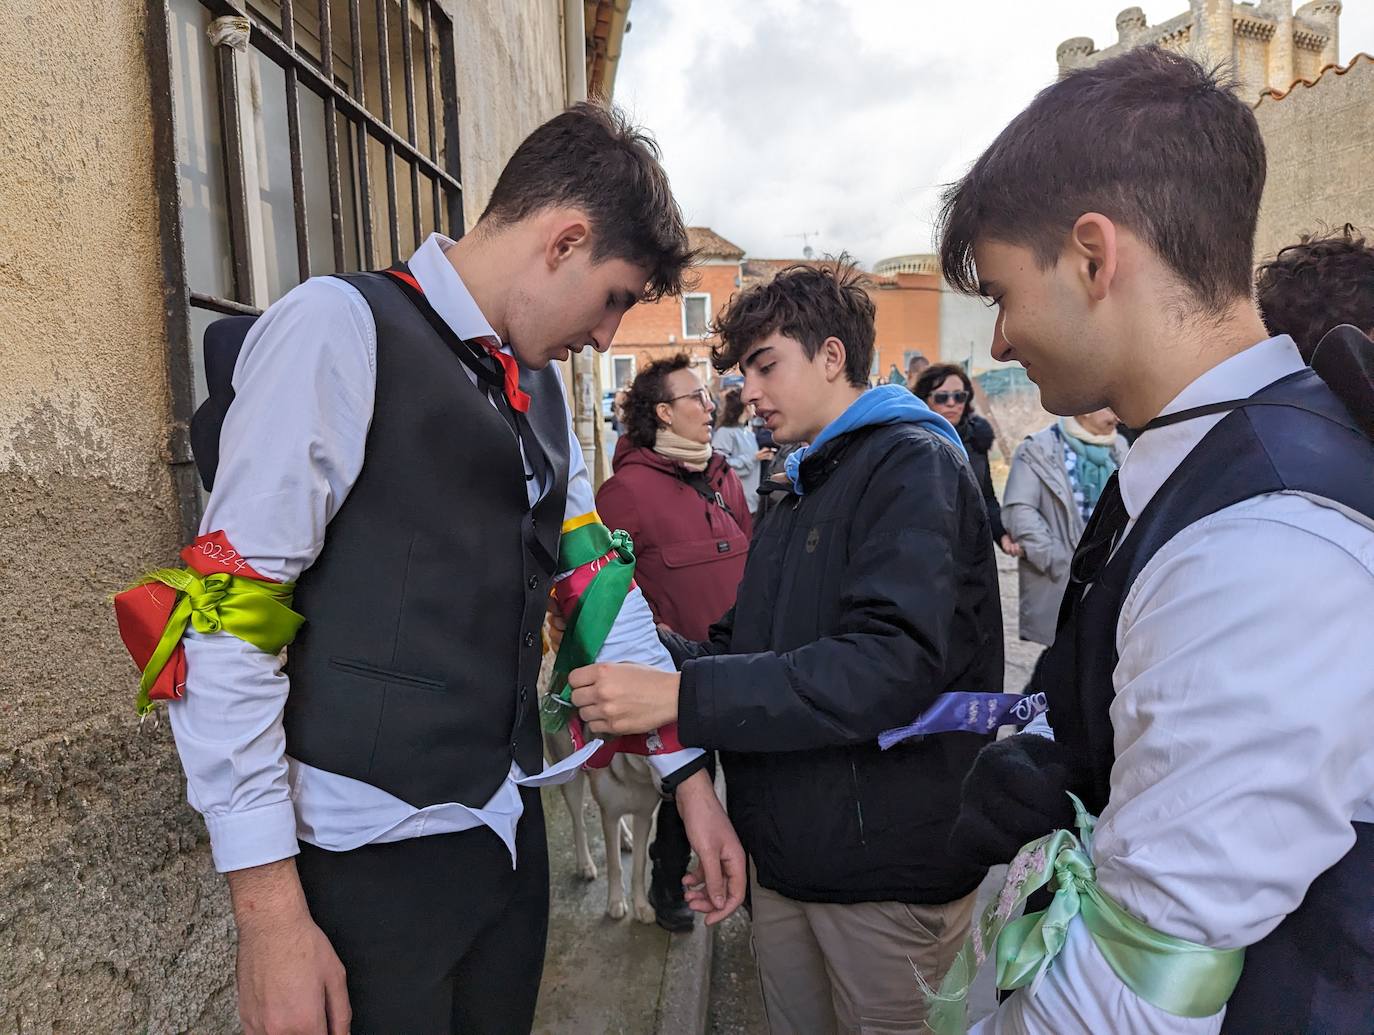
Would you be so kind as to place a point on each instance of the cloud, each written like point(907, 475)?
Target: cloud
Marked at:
point(783, 117)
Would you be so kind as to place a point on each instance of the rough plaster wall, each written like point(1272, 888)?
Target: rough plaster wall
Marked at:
point(1320, 141)
point(510, 80)
point(110, 919)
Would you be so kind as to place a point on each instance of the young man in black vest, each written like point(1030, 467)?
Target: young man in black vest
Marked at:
point(400, 446)
point(1211, 684)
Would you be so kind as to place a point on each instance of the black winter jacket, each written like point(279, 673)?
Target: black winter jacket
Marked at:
point(861, 602)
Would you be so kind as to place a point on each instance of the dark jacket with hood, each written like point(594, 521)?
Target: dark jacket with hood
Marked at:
point(690, 530)
point(862, 601)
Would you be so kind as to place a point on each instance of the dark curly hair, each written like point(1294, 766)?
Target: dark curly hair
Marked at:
point(1317, 284)
point(808, 302)
point(593, 158)
point(933, 376)
point(648, 389)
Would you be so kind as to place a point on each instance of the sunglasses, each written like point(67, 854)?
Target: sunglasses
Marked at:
point(945, 398)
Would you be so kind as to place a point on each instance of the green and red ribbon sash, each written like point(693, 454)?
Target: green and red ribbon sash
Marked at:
point(217, 591)
point(600, 565)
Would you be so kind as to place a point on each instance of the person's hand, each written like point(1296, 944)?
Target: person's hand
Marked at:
point(624, 698)
point(716, 886)
point(557, 625)
point(1015, 792)
point(1009, 545)
point(765, 454)
point(290, 981)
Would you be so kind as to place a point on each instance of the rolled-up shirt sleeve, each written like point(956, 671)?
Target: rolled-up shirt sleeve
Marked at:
point(290, 450)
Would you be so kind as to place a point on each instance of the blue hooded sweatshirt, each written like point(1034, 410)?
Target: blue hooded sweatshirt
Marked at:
point(886, 404)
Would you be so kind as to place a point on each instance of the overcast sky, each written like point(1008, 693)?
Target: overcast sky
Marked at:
point(843, 117)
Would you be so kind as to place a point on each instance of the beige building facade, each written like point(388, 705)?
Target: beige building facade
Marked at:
point(1268, 44)
point(166, 161)
point(1320, 138)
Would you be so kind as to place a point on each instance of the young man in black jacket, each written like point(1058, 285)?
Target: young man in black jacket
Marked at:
point(869, 591)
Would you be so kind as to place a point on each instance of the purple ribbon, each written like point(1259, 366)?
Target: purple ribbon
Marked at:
point(963, 712)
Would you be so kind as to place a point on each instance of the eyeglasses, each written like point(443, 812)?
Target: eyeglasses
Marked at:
point(701, 395)
point(945, 398)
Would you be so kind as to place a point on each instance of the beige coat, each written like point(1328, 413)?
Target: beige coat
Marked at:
point(1039, 512)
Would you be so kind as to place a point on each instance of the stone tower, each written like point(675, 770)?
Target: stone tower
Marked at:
point(1267, 44)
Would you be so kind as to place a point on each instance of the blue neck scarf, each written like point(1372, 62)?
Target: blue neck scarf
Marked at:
point(886, 404)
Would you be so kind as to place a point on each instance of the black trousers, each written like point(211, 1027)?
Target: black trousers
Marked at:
point(438, 934)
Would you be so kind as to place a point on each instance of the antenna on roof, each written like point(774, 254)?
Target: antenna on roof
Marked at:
point(807, 251)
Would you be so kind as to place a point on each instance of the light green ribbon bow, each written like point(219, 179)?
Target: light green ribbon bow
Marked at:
point(255, 611)
point(595, 612)
point(1180, 977)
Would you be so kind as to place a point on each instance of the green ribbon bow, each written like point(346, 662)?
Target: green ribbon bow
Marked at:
point(595, 612)
point(255, 611)
point(1180, 977)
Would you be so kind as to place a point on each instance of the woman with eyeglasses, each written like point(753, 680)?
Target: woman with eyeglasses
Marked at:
point(946, 389)
point(685, 510)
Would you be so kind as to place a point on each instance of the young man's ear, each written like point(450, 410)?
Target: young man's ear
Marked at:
point(567, 233)
point(833, 353)
point(1092, 249)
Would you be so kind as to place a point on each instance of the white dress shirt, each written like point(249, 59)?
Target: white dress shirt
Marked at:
point(1243, 721)
point(292, 447)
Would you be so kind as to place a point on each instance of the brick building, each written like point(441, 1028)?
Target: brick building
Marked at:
point(906, 292)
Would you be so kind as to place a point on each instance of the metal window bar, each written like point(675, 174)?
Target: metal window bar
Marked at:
point(349, 102)
point(360, 91)
point(388, 148)
point(300, 69)
point(430, 106)
point(408, 66)
point(293, 132)
point(331, 135)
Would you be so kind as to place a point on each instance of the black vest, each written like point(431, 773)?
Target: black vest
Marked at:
point(1308, 445)
point(415, 671)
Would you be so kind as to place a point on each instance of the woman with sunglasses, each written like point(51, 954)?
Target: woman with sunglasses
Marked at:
point(946, 389)
point(685, 510)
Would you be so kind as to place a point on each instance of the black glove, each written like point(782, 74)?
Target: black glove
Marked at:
point(1015, 792)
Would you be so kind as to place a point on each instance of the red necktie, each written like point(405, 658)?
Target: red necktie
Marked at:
point(518, 399)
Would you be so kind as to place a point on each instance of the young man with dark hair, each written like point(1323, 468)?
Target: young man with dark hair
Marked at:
point(1317, 284)
point(400, 447)
point(1223, 736)
point(869, 593)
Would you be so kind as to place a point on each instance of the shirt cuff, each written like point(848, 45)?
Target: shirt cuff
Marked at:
point(256, 837)
point(684, 764)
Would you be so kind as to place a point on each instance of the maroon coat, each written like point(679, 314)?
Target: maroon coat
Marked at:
point(689, 552)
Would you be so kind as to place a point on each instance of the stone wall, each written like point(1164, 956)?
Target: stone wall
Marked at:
point(111, 918)
point(1320, 140)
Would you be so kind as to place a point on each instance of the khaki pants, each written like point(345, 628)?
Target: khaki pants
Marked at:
point(831, 969)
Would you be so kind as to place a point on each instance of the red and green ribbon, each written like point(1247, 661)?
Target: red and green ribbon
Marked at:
point(595, 612)
point(256, 611)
